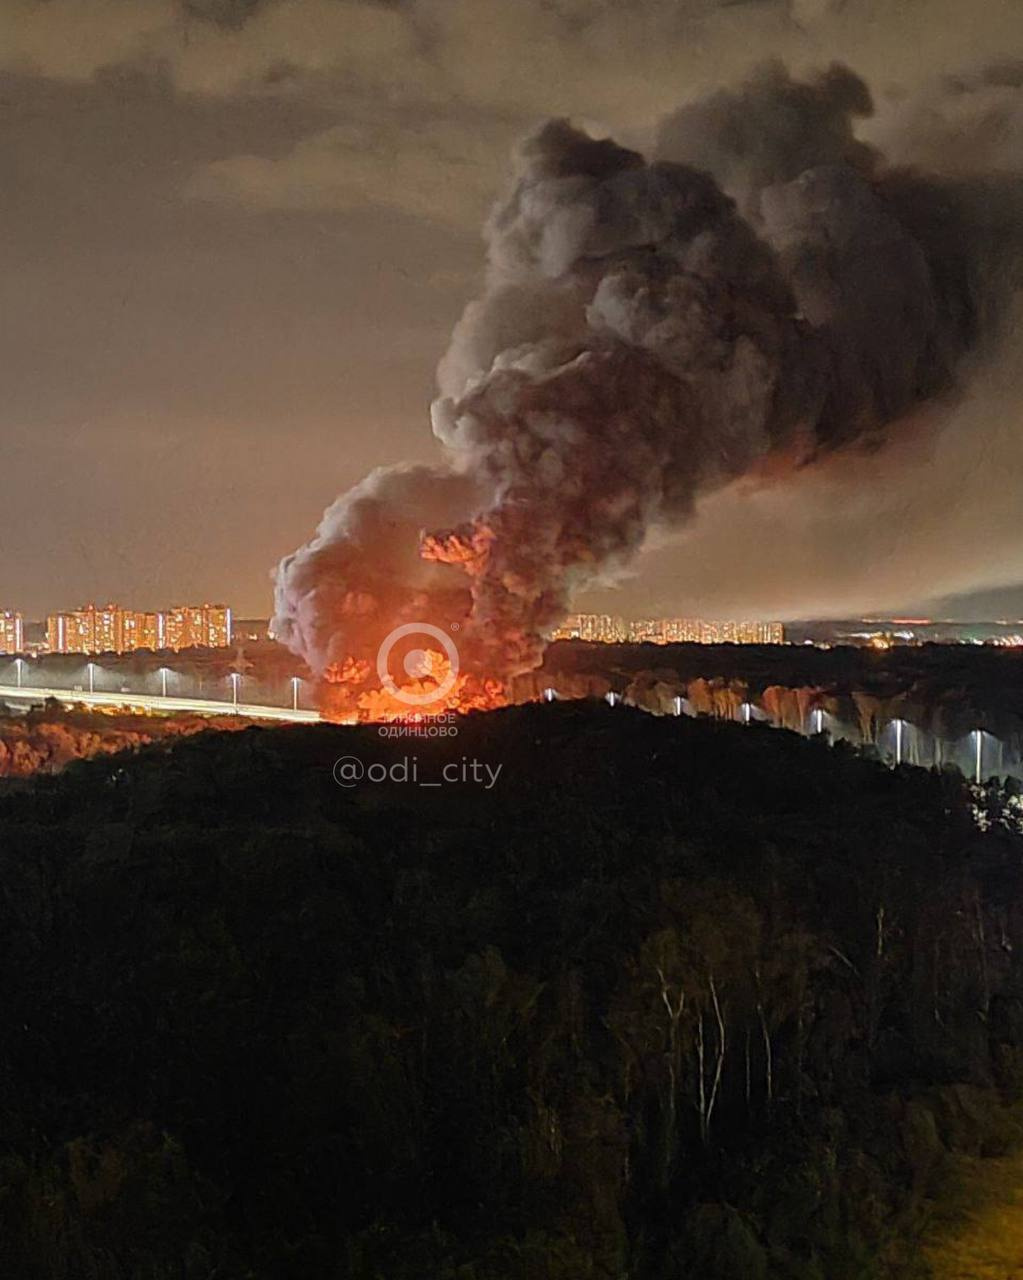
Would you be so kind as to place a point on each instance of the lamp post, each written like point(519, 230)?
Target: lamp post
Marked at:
point(163, 682)
point(19, 667)
point(90, 667)
point(295, 685)
point(979, 736)
point(235, 678)
point(898, 742)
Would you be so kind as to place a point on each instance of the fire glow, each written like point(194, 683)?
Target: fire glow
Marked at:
point(345, 696)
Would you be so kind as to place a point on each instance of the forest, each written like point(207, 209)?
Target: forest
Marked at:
point(47, 737)
point(941, 694)
point(672, 998)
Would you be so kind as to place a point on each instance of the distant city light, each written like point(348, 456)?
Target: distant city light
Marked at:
point(12, 633)
point(111, 629)
point(604, 628)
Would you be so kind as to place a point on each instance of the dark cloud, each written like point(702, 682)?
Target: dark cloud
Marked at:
point(772, 130)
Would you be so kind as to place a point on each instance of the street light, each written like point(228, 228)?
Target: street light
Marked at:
point(979, 736)
point(295, 685)
point(19, 666)
point(90, 667)
point(898, 742)
point(163, 673)
point(235, 678)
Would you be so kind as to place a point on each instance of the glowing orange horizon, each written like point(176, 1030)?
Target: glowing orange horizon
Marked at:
point(342, 695)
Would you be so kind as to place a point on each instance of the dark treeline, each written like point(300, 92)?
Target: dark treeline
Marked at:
point(671, 998)
point(944, 692)
point(991, 676)
point(47, 737)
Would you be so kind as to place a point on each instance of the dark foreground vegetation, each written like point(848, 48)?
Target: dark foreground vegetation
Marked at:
point(948, 689)
point(990, 676)
point(47, 737)
point(672, 998)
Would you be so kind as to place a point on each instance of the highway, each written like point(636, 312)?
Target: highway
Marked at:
point(155, 702)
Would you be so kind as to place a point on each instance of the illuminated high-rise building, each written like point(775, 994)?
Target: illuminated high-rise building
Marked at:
point(216, 621)
point(86, 630)
point(12, 632)
point(131, 630)
point(701, 631)
point(682, 630)
point(740, 633)
point(142, 630)
point(646, 631)
point(56, 632)
point(602, 628)
point(108, 629)
point(115, 630)
point(190, 626)
point(73, 631)
point(153, 632)
point(184, 626)
point(608, 629)
point(569, 629)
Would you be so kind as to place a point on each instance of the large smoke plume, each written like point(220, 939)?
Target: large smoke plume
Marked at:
point(763, 294)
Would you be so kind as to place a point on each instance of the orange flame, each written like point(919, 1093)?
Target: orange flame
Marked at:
point(342, 699)
point(351, 671)
point(349, 690)
point(468, 546)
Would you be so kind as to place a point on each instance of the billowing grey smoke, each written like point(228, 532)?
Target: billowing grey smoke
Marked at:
point(763, 291)
point(363, 570)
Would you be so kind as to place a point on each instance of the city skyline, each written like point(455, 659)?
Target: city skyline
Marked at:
point(603, 628)
point(110, 628)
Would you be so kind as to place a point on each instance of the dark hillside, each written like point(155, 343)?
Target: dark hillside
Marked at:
point(667, 998)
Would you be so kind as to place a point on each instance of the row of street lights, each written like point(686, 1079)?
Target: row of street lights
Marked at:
point(746, 711)
point(900, 728)
point(817, 717)
point(91, 668)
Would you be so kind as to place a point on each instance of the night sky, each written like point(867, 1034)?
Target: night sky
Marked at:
point(236, 235)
